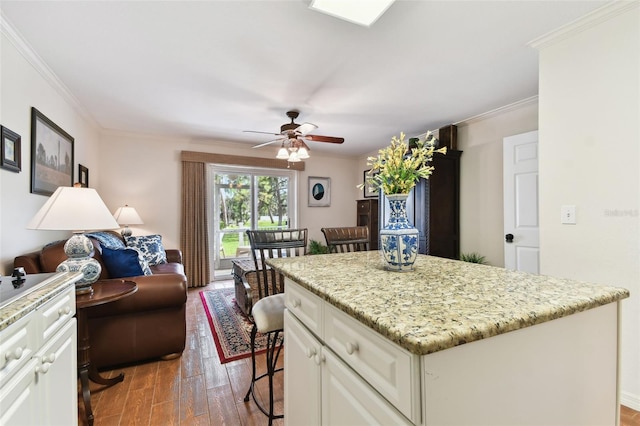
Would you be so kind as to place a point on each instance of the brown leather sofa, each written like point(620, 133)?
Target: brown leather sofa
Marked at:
point(149, 324)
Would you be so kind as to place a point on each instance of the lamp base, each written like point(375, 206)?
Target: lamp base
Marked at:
point(80, 249)
point(126, 232)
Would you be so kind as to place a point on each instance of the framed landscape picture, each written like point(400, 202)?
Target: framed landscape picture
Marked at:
point(10, 155)
point(51, 155)
point(319, 191)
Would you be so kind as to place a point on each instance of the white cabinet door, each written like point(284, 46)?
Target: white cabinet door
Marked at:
point(301, 374)
point(18, 404)
point(57, 381)
point(349, 400)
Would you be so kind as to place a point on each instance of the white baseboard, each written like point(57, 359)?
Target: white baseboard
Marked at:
point(630, 400)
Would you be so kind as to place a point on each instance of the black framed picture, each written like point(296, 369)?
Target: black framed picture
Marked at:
point(11, 154)
point(370, 191)
point(319, 191)
point(83, 176)
point(51, 155)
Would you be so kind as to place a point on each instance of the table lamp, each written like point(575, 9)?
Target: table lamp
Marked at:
point(127, 216)
point(78, 210)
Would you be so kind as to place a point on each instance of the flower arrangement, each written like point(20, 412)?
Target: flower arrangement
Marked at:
point(398, 167)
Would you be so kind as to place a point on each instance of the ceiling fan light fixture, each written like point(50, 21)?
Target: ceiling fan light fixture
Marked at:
point(283, 153)
point(293, 157)
point(359, 12)
point(303, 154)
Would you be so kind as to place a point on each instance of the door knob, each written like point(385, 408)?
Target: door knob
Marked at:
point(508, 238)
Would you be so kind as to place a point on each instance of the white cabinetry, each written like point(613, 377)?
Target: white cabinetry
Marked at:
point(38, 377)
point(334, 366)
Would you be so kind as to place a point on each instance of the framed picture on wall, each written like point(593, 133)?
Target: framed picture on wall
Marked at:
point(10, 155)
point(370, 191)
point(83, 176)
point(51, 155)
point(319, 191)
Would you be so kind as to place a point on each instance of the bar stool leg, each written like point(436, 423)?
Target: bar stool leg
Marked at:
point(272, 354)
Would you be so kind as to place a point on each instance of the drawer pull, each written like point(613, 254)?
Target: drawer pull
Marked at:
point(15, 354)
point(44, 368)
point(46, 361)
point(49, 358)
point(351, 347)
point(64, 311)
point(311, 352)
point(319, 359)
point(296, 303)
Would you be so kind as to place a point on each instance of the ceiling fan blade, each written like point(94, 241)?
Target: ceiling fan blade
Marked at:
point(305, 128)
point(264, 133)
point(266, 143)
point(319, 138)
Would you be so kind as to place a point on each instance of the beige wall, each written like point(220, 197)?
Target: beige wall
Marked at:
point(590, 157)
point(21, 87)
point(145, 172)
point(481, 205)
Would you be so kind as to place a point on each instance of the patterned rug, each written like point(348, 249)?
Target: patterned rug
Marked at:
point(230, 327)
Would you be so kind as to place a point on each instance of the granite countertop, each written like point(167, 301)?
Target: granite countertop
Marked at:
point(50, 287)
point(442, 303)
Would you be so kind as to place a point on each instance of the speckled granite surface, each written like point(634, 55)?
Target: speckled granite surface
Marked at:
point(442, 303)
point(20, 307)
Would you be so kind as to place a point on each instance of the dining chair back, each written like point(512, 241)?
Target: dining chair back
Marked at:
point(347, 239)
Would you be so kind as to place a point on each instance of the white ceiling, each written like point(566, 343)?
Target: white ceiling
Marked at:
point(211, 69)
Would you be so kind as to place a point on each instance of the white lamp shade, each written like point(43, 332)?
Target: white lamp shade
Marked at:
point(127, 216)
point(283, 153)
point(73, 209)
point(302, 153)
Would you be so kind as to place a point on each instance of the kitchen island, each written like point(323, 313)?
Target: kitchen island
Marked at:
point(448, 343)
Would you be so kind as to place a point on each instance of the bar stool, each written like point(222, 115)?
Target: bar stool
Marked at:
point(268, 311)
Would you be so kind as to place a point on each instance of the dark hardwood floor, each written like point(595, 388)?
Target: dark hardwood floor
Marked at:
point(195, 389)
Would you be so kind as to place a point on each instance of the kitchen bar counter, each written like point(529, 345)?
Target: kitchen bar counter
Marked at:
point(44, 288)
point(442, 303)
point(448, 343)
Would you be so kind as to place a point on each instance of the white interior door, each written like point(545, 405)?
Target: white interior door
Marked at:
point(521, 224)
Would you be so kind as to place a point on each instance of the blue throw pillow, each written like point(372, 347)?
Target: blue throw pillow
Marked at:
point(150, 246)
point(122, 263)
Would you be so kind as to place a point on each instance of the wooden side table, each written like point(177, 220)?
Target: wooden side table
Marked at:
point(105, 291)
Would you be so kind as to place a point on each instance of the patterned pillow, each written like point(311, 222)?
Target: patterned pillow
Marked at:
point(107, 239)
point(150, 246)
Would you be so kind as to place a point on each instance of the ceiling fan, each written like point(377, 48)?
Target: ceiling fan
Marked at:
point(292, 138)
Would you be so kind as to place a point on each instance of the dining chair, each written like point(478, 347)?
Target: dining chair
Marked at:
point(268, 311)
point(346, 239)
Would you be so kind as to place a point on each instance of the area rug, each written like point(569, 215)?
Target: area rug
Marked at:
point(230, 327)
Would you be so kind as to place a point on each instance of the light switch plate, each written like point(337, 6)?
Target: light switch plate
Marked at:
point(568, 215)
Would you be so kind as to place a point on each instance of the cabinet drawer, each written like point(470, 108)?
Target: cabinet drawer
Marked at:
point(17, 346)
point(388, 368)
point(364, 207)
point(306, 306)
point(55, 313)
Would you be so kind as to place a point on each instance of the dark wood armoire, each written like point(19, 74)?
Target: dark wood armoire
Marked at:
point(434, 207)
point(368, 216)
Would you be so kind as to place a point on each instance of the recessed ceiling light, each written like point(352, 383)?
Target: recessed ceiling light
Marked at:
point(361, 12)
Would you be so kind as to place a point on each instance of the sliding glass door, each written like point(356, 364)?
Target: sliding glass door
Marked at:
point(244, 199)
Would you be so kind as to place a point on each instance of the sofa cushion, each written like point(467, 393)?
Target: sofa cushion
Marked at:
point(122, 263)
point(150, 246)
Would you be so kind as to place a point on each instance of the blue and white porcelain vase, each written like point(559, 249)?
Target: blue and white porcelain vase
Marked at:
point(399, 238)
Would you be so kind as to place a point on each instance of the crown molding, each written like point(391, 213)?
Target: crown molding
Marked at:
point(25, 49)
point(533, 100)
point(586, 22)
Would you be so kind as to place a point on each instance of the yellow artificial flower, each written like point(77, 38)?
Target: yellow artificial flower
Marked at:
point(397, 168)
